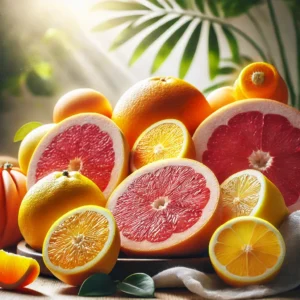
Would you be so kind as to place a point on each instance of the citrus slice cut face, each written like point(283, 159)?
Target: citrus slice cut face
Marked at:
point(250, 193)
point(17, 271)
point(89, 143)
point(257, 134)
point(165, 139)
point(82, 242)
point(247, 250)
point(166, 208)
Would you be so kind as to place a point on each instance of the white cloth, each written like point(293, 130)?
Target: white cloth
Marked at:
point(211, 287)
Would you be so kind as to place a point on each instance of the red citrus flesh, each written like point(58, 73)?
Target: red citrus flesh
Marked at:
point(88, 143)
point(258, 134)
point(165, 207)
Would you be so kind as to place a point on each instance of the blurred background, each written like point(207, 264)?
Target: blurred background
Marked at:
point(49, 47)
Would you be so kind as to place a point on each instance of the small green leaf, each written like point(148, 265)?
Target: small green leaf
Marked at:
point(25, 129)
point(190, 51)
point(213, 7)
point(156, 3)
point(98, 285)
point(233, 44)
point(216, 86)
point(132, 30)
point(200, 5)
point(182, 3)
point(168, 46)
point(38, 85)
point(43, 69)
point(213, 52)
point(150, 39)
point(138, 284)
point(226, 71)
point(111, 23)
point(119, 5)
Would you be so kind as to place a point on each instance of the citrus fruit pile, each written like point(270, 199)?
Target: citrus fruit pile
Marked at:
point(165, 173)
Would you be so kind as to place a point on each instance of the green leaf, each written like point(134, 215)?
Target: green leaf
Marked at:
point(213, 52)
point(216, 86)
point(226, 71)
point(182, 3)
point(38, 85)
point(150, 39)
point(43, 70)
point(200, 5)
point(234, 8)
point(108, 24)
point(119, 5)
point(132, 30)
point(190, 51)
point(25, 129)
point(212, 4)
point(156, 3)
point(233, 44)
point(138, 284)
point(98, 285)
point(168, 46)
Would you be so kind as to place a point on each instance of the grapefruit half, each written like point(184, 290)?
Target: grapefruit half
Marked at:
point(254, 134)
point(89, 143)
point(167, 208)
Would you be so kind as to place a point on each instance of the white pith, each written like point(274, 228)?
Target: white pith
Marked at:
point(176, 238)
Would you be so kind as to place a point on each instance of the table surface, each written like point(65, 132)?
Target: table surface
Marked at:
point(45, 288)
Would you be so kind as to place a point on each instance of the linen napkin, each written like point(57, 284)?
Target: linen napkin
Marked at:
point(211, 287)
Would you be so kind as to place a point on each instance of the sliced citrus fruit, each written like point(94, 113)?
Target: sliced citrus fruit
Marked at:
point(90, 143)
point(250, 193)
point(255, 134)
point(82, 242)
point(247, 250)
point(17, 271)
point(164, 139)
point(50, 198)
point(167, 208)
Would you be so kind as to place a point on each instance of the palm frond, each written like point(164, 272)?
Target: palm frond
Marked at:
point(119, 5)
point(213, 52)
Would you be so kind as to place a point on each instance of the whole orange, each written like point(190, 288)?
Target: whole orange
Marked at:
point(154, 99)
point(221, 97)
point(50, 198)
point(81, 101)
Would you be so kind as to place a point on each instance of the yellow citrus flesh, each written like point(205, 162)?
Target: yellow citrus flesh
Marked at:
point(250, 193)
point(246, 251)
point(17, 271)
point(165, 139)
point(50, 198)
point(82, 242)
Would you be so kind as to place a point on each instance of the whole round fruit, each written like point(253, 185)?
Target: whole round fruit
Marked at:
point(81, 101)
point(12, 190)
point(50, 198)
point(154, 99)
point(221, 97)
point(29, 143)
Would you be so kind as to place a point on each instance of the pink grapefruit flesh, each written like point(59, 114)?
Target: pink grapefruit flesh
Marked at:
point(258, 134)
point(89, 143)
point(166, 208)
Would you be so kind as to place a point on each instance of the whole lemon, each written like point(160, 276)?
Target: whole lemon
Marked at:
point(29, 143)
point(50, 198)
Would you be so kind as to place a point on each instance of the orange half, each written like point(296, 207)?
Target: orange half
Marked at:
point(247, 250)
point(165, 139)
point(17, 271)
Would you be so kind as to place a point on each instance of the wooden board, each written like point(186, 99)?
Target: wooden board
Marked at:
point(126, 266)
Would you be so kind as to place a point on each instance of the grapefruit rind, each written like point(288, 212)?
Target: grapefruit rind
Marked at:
point(103, 262)
point(192, 241)
point(236, 280)
point(121, 148)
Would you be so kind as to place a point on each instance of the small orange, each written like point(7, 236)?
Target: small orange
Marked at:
point(82, 242)
point(261, 80)
point(17, 271)
point(221, 97)
point(81, 101)
point(158, 98)
point(164, 139)
point(50, 198)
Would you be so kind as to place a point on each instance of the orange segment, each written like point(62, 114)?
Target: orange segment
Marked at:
point(246, 250)
point(258, 80)
point(82, 242)
point(17, 271)
point(164, 139)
